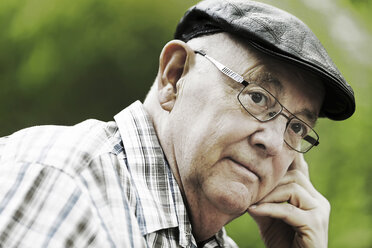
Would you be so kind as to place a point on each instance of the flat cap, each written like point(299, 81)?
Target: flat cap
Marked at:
point(277, 33)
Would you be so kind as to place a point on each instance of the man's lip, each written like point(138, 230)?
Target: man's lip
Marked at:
point(247, 166)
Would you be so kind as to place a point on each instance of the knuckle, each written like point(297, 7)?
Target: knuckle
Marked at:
point(297, 175)
point(290, 212)
point(318, 221)
point(324, 203)
point(327, 205)
point(320, 217)
point(291, 208)
point(295, 187)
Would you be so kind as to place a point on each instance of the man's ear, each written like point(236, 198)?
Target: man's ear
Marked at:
point(172, 65)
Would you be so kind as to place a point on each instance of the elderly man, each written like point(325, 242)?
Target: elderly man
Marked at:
point(221, 133)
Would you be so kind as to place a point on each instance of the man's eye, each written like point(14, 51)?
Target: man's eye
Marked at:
point(258, 98)
point(299, 129)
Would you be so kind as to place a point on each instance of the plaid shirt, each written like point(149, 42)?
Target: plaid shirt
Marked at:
point(94, 184)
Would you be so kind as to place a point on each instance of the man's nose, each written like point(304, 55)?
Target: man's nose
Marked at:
point(269, 136)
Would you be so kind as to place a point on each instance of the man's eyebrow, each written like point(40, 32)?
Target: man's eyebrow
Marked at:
point(267, 80)
point(310, 116)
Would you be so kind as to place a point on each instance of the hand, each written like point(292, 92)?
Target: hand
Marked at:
point(294, 214)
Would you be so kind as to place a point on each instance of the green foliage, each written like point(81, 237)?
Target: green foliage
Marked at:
point(63, 61)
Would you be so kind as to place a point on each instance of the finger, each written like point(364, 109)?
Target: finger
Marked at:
point(292, 193)
point(263, 222)
point(311, 226)
point(290, 214)
point(296, 176)
point(300, 164)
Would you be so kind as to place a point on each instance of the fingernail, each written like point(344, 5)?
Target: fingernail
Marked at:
point(253, 206)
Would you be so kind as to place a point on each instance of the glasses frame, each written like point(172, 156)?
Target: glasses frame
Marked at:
point(240, 79)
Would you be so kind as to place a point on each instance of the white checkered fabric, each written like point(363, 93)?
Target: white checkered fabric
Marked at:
point(94, 184)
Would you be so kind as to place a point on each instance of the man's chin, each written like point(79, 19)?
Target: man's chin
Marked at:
point(234, 200)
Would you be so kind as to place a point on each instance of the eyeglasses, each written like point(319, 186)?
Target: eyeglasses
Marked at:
point(264, 106)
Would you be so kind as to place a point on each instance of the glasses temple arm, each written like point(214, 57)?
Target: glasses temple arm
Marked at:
point(225, 70)
point(311, 140)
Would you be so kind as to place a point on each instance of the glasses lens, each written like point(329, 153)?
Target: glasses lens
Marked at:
point(300, 136)
point(259, 102)
point(263, 106)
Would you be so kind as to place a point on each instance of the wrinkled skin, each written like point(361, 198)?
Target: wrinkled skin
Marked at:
point(226, 162)
point(303, 222)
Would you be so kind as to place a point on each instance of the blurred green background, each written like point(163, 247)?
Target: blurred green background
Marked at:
point(63, 61)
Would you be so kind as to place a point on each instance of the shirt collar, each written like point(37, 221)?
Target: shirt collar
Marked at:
point(159, 200)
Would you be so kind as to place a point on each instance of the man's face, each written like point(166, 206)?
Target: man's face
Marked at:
point(226, 158)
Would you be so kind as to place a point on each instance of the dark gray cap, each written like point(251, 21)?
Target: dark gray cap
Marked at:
point(275, 32)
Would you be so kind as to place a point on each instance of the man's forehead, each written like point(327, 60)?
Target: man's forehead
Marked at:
point(267, 80)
